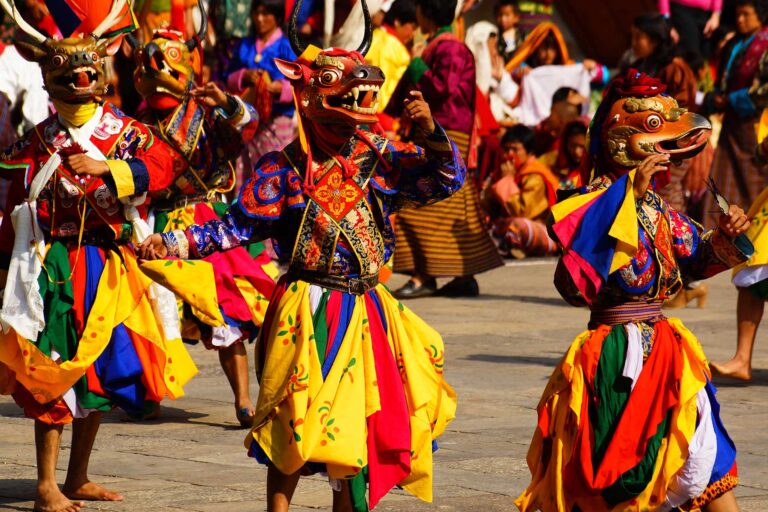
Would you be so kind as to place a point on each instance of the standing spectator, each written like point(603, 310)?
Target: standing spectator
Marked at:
point(507, 13)
point(448, 238)
point(389, 49)
point(693, 22)
point(734, 169)
point(657, 55)
point(253, 75)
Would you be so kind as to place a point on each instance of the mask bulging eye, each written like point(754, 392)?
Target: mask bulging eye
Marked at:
point(653, 122)
point(58, 60)
point(94, 57)
point(328, 77)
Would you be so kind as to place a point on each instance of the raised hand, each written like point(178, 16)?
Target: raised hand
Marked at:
point(645, 171)
point(735, 223)
point(418, 111)
point(211, 96)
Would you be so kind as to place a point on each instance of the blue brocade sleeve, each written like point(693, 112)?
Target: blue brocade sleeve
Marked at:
point(421, 176)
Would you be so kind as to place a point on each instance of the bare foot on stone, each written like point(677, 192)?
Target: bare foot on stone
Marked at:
point(51, 499)
point(733, 369)
point(91, 492)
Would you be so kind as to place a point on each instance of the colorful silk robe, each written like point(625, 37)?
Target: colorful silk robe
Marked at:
point(348, 379)
point(629, 420)
point(229, 291)
point(101, 342)
point(208, 142)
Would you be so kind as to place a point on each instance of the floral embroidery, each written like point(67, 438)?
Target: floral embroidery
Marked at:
point(290, 331)
point(336, 195)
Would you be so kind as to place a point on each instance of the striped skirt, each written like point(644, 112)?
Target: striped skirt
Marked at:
point(448, 238)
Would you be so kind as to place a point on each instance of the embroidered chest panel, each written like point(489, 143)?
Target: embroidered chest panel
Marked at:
point(338, 213)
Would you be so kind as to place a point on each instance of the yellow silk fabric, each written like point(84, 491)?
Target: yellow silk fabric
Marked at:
point(297, 409)
point(563, 398)
point(76, 114)
point(123, 177)
point(121, 298)
point(757, 232)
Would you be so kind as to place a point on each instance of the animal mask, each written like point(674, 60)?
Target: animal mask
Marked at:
point(73, 68)
point(637, 120)
point(333, 86)
point(167, 65)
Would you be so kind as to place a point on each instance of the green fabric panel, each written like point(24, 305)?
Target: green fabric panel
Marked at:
point(161, 220)
point(59, 332)
point(611, 389)
point(416, 70)
point(90, 400)
point(632, 483)
point(255, 249)
point(220, 208)
point(321, 327)
point(357, 489)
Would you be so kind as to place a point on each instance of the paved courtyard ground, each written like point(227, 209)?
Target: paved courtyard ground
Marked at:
point(501, 348)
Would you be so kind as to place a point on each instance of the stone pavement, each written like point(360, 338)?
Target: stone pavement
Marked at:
point(501, 348)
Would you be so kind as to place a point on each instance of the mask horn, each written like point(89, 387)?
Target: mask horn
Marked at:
point(192, 43)
point(114, 15)
point(293, 32)
point(368, 35)
point(13, 12)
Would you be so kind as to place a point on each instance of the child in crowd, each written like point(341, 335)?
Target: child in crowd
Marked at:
point(507, 13)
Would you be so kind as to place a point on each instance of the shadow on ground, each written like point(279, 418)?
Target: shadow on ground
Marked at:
point(759, 378)
point(491, 358)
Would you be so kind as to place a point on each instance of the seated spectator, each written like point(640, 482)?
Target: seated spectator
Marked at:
point(507, 13)
point(566, 162)
point(253, 75)
point(521, 199)
point(389, 47)
point(567, 106)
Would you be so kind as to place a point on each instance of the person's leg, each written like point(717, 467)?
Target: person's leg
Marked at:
point(234, 362)
point(749, 313)
point(77, 486)
point(724, 503)
point(49, 496)
point(280, 489)
point(342, 500)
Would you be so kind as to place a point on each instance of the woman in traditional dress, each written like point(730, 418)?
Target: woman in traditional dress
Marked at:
point(447, 239)
point(738, 176)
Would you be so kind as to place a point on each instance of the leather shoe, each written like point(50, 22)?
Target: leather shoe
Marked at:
point(411, 290)
point(460, 287)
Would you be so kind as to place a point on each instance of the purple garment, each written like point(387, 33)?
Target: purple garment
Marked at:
point(448, 86)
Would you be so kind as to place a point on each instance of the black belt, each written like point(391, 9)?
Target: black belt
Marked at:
point(353, 285)
point(103, 239)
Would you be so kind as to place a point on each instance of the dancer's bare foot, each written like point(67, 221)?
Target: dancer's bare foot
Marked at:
point(245, 414)
point(733, 369)
point(91, 492)
point(51, 499)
